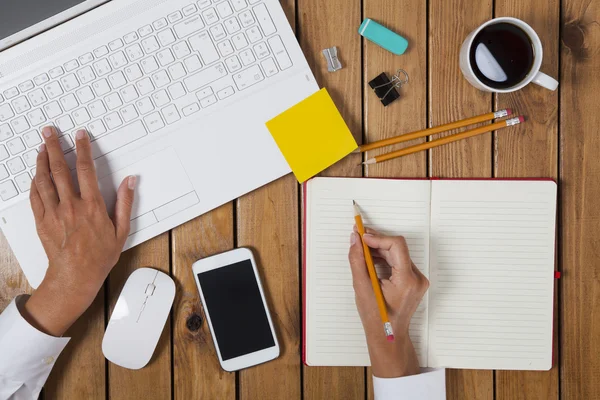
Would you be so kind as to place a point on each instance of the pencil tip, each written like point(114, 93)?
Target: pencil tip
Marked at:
point(353, 203)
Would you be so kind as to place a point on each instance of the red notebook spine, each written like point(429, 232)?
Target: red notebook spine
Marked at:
point(304, 191)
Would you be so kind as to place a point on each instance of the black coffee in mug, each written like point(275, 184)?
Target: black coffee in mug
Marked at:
point(501, 55)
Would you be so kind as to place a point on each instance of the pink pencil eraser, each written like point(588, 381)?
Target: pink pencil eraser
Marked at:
point(390, 338)
point(521, 119)
point(508, 111)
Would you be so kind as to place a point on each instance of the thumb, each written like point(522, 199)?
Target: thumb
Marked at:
point(122, 217)
point(356, 257)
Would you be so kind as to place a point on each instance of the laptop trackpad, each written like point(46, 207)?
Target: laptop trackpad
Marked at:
point(162, 189)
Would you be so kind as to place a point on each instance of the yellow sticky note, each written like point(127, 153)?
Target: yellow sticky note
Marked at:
point(312, 135)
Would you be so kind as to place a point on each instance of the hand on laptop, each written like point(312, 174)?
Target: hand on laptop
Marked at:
point(403, 292)
point(82, 242)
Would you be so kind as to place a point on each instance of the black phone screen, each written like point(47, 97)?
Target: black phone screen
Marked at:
point(17, 15)
point(236, 310)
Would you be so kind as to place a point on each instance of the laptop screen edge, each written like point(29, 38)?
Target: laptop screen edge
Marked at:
point(49, 23)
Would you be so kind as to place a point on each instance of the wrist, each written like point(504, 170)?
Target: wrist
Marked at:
point(392, 359)
point(54, 307)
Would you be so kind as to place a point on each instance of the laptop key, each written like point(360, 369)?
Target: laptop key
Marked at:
point(171, 114)
point(5, 132)
point(3, 156)
point(189, 9)
point(27, 86)
point(264, 19)
point(8, 190)
point(204, 77)
point(202, 43)
point(248, 77)
point(10, 93)
point(189, 26)
point(283, 59)
point(6, 112)
point(190, 109)
point(56, 72)
point(130, 37)
point(15, 165)
point(23, 182)
point(3, 172)
point(154, 122)
point(71, 65)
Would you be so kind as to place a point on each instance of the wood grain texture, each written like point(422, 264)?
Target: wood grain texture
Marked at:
point(408, 113)
point(580, 193)
point(268, 224)
point(452, 98)
point(531, 150)
point(196, 369)
point(12, 279)
point(154, 380)
point(322, 24)
point(80, 371)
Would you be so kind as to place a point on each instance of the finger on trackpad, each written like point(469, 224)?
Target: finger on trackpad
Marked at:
point(161, 181)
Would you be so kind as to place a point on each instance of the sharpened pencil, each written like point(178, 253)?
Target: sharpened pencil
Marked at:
point(445, 140)
point(387, 326)
point(436, 129)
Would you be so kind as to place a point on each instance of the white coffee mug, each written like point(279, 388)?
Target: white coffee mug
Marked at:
point(534, 75)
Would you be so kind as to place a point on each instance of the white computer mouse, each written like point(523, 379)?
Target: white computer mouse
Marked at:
point(138, 318)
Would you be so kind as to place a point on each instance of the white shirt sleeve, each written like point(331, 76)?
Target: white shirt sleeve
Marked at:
point(430, 384)
point(27, 355)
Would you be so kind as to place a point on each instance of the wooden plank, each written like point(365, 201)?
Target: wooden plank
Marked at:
point(580, 191)
point(268, 224)
point(452, 98)
point(408, 113)
point(80, 370)
point(154, 380)
point(531, 151)
point(197, 372)
point(323, 24)
point(12, 279)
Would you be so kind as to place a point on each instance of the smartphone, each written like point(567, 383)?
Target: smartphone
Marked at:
point(236, 309)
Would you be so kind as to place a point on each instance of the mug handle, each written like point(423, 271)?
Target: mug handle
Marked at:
point(545, 81)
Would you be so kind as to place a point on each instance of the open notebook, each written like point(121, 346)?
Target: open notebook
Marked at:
point(487, 247)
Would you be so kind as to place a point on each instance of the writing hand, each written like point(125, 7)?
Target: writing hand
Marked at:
point(81, 241)
point(403, 292)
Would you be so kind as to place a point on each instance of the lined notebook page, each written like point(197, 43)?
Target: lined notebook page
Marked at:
point(492, 272)
point(334, 333)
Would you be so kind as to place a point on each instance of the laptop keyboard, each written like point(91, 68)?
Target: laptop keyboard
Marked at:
point(138, 84)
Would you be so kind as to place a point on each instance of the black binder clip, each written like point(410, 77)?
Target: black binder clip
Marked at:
point(385, 88)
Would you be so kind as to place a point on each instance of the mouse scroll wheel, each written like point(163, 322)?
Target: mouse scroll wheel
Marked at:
point(150, 289)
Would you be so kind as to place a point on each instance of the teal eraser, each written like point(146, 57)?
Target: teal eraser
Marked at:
point(382, 36)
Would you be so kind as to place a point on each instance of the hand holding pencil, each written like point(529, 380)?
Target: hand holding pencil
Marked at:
point(402, 294)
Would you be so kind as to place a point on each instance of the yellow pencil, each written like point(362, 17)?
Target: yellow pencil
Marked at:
point(437, 129)
point(445, 140)
point(387, 326)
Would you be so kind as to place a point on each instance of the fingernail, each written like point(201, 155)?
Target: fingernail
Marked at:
point(367, 235)
point(80, 134)
point(47, 131)
point(352, 238)
point(131, 182)
point(42, 147)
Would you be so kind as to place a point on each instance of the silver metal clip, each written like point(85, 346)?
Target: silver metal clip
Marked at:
point(395, 83)
point(333, 62)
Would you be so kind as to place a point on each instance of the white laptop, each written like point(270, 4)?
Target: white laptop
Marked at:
point(176, 92)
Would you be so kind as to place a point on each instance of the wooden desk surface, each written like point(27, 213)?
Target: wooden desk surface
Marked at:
point(560, 140)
